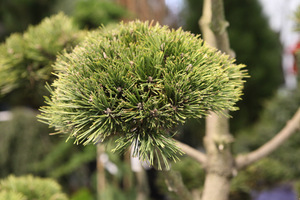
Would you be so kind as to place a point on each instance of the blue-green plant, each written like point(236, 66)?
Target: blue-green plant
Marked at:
point(136, 83)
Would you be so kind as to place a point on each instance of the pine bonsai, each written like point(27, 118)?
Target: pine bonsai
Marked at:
point(26, 59)
point(137, 82)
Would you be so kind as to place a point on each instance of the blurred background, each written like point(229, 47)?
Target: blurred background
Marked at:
point(264, 35)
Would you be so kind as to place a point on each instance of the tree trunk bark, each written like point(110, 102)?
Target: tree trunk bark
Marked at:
point(101, 180)
point(217, 141)
point(219, 163)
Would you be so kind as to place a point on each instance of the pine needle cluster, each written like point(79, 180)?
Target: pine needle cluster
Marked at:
point(137, 82)
point(29, 187)
point(26, 59)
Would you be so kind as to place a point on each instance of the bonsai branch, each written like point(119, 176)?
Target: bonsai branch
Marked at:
point(290, 128)
point(175, 184)
point(193, 153)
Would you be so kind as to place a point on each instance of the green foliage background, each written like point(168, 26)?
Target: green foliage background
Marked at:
point(16, 15)
point(277, 111)
point(29, 187)
point(18, 153)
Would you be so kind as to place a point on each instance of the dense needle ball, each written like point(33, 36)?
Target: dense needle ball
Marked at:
point(137, 82)
point(26, 59)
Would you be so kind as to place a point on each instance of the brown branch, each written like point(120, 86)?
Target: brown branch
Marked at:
point(290, 128)
point(175, 184)
point(193, 153)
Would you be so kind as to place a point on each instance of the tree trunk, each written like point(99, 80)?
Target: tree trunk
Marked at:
point(217, 141)
point(219, 163)
point(101, 180)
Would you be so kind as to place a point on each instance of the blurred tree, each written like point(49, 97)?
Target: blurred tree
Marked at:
point(18, 139)
point(92, 13)
point(146, 9)
point(259, 48)
point(264, 174)
point(297, 50)
point(277, 110)
point(25, 147)
point(255, 45)
point(26, 59)
point(16, 15)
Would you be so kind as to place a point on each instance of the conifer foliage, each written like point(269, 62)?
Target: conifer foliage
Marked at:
point(137, 82)
point(29, 187)
point(26, 59)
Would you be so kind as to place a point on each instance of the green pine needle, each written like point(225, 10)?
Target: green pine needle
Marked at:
point(137, 82)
